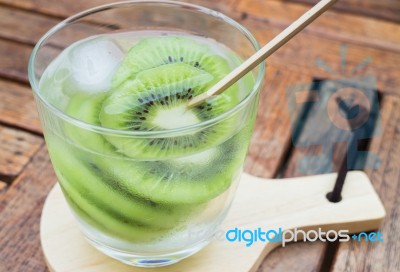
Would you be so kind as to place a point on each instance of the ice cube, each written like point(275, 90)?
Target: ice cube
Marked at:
point(51, 83)
point(92, 64)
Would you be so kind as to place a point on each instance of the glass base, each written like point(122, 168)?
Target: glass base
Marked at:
point(147, 261)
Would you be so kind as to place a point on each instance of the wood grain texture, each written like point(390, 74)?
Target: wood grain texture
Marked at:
point(333, 24)
point(272, 132)
point(226, 6)
point(3, 187)
point(65, 8)
point(16, 47)
point(28, 27)
point(15, 57)
point(303, 51)
point(15, 22)
point(383, 9)
point(14, 60)
point(20, 207)
point(17, 106)
point(17, 148)
point(55, 8)
point(355, 256)
point(295, 257)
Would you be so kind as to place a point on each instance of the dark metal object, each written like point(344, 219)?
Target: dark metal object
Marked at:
point(349, 159)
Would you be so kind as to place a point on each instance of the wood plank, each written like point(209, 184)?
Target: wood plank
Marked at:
point(65, 8)
point(20, 209)
point(319, 160)
point(16, 147)
point(15, 55)
point(303, 51)
point(352, 29)
point(3, 187)
point(28, 27)
point(55, 8)
point(383, 9)
point(17, 107)
point(14, 24)
point(380, 256)
point(272, 130)
point(14, 60)
point(294, 257)
point(226, 6)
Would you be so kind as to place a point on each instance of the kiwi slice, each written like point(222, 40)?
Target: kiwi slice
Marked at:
point(188, 168)
point(96, 166)
point(103, 190)
point(191, 179)
point(86, 108)
point(156, 100)
point(107, 222)
point(157, 51)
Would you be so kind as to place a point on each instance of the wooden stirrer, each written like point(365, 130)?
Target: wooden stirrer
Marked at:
point(264, 52)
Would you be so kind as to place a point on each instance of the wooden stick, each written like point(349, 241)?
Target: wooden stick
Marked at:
point(264, 52)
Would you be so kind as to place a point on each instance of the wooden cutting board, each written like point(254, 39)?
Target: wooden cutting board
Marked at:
point(259, 203)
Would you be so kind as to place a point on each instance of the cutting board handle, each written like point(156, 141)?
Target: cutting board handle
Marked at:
point(302, 204)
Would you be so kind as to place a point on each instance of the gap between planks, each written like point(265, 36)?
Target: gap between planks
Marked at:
point(354, 29)
point(17, 147)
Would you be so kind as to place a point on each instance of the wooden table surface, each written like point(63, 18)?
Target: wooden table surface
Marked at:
point(369, 28)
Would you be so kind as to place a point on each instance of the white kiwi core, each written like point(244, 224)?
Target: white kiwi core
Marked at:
point(174, 117)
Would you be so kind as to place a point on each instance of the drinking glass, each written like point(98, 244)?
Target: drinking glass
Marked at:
point(136, 209)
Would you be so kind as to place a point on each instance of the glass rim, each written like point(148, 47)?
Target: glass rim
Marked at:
point(103, 130)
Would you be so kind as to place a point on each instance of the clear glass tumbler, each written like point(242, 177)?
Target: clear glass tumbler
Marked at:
point(151, 210)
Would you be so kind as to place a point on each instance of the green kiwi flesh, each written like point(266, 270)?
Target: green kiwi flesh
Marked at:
point(140, 188)
point(156, 100)
point(191, 179)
